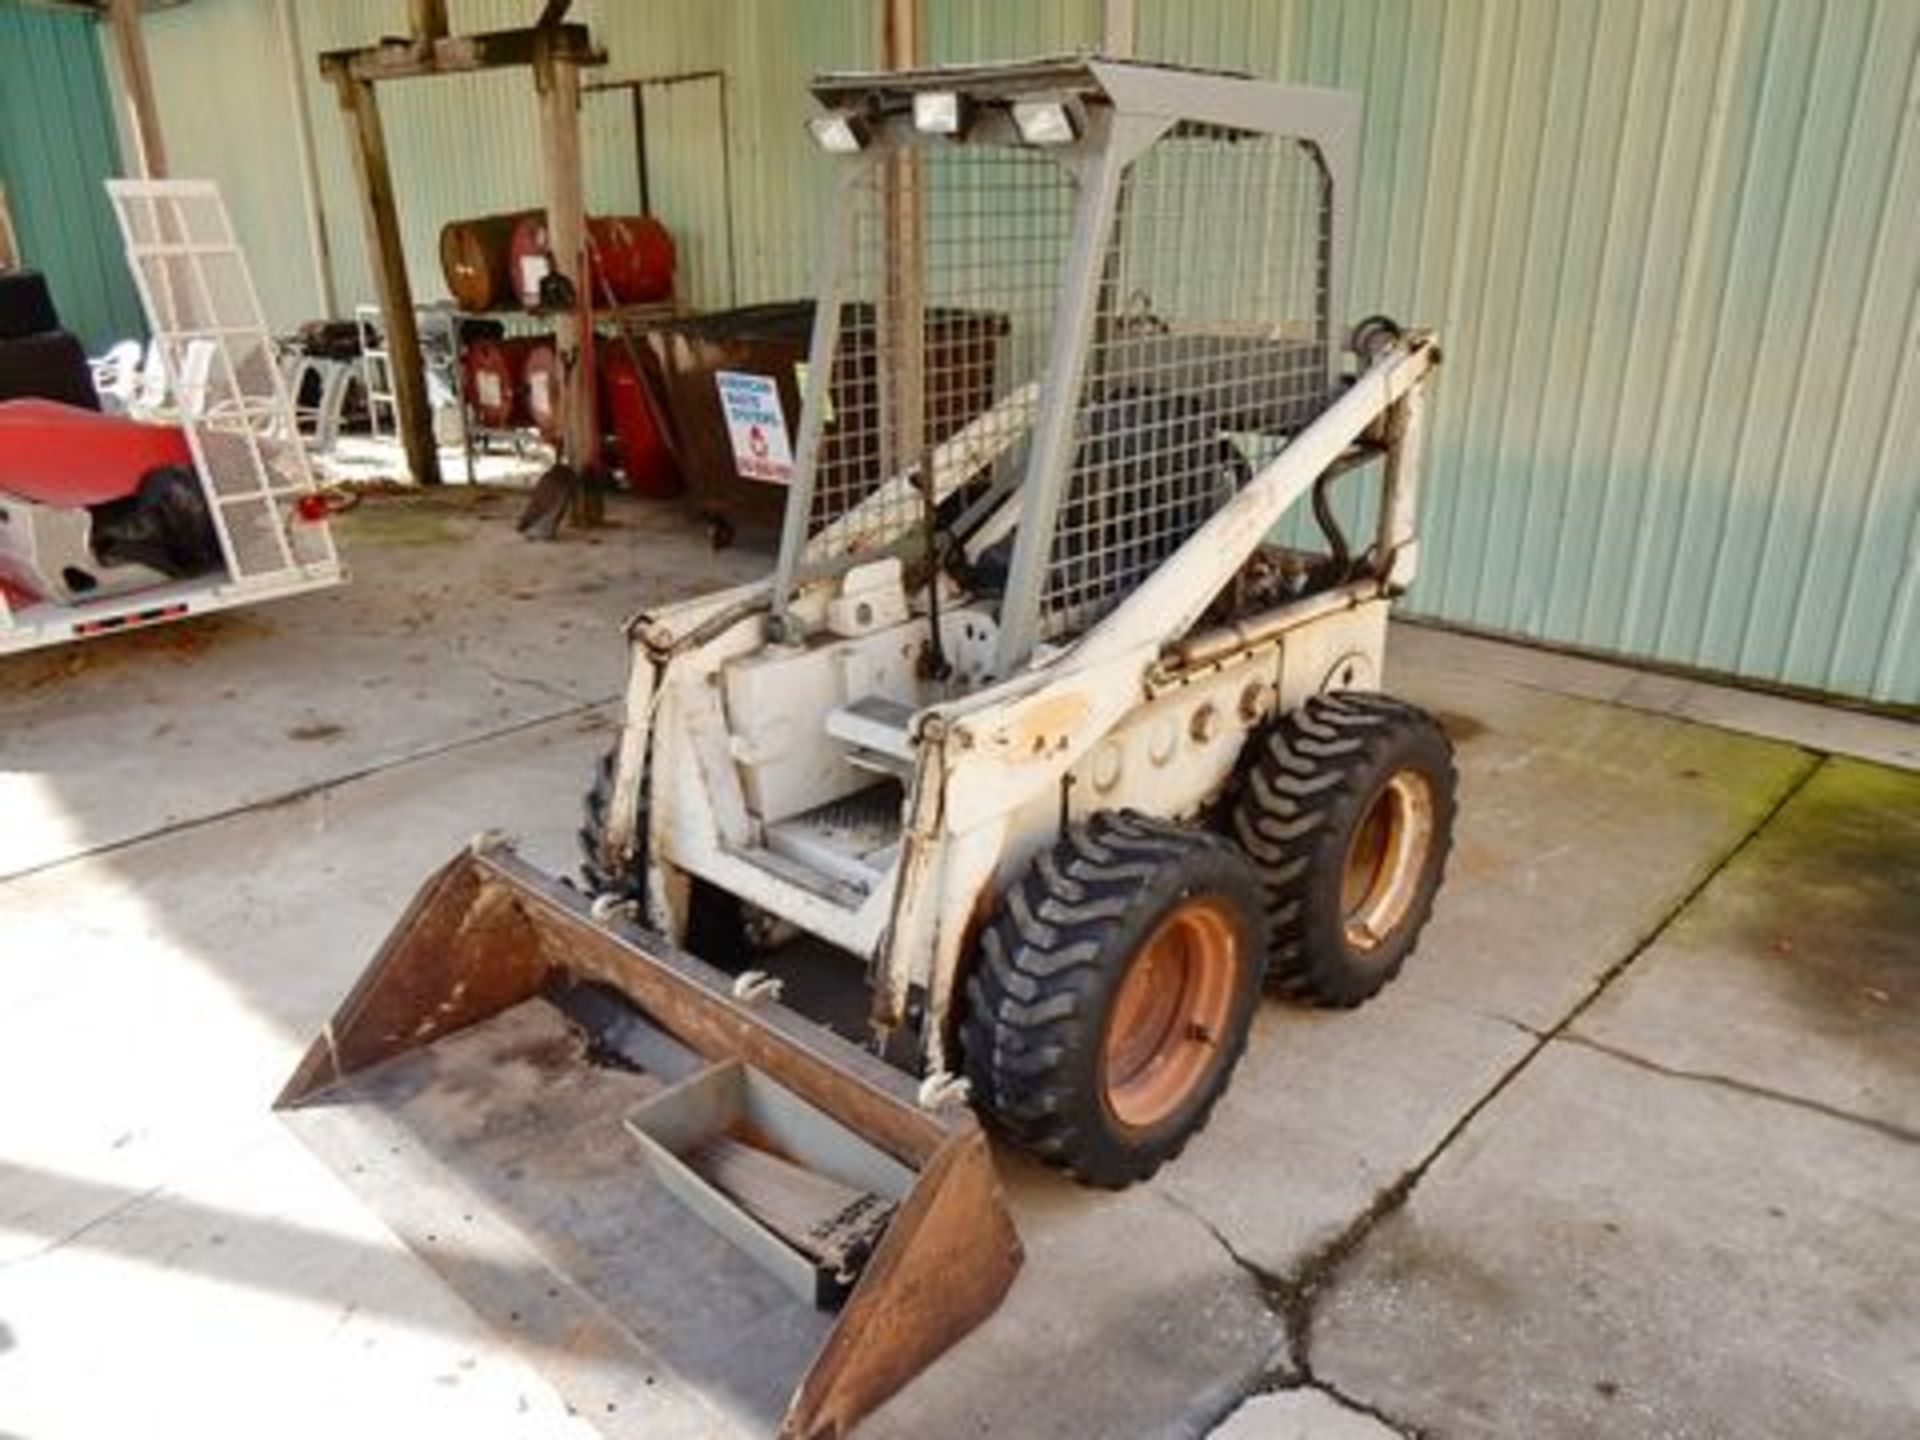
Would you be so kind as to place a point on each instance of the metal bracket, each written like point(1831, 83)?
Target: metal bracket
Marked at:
point(757, 987)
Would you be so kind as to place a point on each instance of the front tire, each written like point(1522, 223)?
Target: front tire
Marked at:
point(1346, 806)
point(1113, 993)
point(716, 922)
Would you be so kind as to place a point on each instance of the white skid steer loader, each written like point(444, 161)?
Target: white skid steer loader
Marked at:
point(1036, 718)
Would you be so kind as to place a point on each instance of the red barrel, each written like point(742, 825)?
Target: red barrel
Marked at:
point(474, 259)
point(631, 259)
point(541, 379)
point(493, 381)
point(630, 417)
point(634, 256)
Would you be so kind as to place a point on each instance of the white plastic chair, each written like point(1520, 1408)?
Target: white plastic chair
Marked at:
point(116, 375)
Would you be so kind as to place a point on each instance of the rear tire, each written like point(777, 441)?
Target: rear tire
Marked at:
point(1112, 995)
point(1346, 806)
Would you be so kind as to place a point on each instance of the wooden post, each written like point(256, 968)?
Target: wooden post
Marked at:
point(1117, 30)
point(384, 249)
point(429, 19)
point(143, 116)
point(557, 77)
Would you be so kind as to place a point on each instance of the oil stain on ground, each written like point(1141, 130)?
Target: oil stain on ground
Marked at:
point(317, 730)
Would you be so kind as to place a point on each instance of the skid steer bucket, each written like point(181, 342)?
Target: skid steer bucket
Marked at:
point(689, 1207)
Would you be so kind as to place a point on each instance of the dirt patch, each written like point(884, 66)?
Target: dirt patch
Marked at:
point(179, 642)
point(385, 513)
point(317, 730)
point(1461, 729)
point(403, 525)
point(1835, 905)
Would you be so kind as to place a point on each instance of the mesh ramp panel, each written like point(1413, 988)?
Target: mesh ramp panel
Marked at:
point(222, 370)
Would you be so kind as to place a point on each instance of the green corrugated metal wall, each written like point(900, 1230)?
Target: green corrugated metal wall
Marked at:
point(220, 80)
point(1673, 247)
point(57, 145)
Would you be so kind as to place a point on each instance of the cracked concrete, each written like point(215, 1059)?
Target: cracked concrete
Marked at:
point(1306, 1413)
point(1572, 1264)
point(1621, 1153)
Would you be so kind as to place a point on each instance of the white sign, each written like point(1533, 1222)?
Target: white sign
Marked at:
point(755, 426)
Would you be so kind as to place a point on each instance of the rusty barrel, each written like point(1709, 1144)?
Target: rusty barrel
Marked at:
point(541, 382)
point(493, 378)
point(474, 259)
point(631, 259)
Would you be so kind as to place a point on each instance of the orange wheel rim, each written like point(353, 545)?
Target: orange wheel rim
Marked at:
point(1385, 860)
point(1170, 1016)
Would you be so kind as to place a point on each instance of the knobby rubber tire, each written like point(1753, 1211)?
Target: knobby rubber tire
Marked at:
point(1306, 784)
point(596, 806)
point(716, 922)
point(1050, 965)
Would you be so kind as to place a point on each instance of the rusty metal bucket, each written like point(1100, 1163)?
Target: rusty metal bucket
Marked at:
point(591, 1138)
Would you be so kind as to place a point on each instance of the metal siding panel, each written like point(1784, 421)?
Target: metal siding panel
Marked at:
point(57, 146)
point(1655, 249)
point(1803, 162)
point(219, 84)
point(683, 143)
point(1570, 202)
point(1669, 246)
point(609, 150)
point(1849, 139)
point(1867, 547)
point(1712, 520)
point(980, 30)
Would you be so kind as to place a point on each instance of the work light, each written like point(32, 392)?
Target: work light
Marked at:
point(839, 132)
point(939, 112)
point(1045, 120)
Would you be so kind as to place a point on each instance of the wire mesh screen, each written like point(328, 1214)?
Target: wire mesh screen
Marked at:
point(223, 374)
point(946, 312)
point(1210, 343)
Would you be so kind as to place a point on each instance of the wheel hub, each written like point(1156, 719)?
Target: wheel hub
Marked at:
point(1386, 859)
point(1171, 1012)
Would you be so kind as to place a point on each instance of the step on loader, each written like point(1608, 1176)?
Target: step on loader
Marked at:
point(1057, 722)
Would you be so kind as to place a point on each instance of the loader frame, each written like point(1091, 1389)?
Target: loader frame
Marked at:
point(1028, 578)
point(1135, 702)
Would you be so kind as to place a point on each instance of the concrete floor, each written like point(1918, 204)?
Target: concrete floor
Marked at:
point(1627, 1151)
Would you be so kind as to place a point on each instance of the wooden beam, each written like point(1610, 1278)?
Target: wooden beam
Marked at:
point(557, 79)
point(384, 250)
point(461, 54)
point(1117, 29)
point(136, 82)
